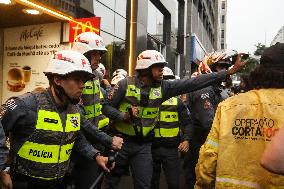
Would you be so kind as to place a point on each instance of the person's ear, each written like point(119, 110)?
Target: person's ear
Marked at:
point(57, 80)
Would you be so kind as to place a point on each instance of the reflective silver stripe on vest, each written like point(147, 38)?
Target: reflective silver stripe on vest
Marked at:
point(92, 98)
point(238, 182)
point(212, 143)
point(148, 114)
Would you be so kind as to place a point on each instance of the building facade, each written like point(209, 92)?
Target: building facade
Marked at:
point(182, 30)
point(201, 31)
point(160, 26)
point(279, 37)
point(222, 23)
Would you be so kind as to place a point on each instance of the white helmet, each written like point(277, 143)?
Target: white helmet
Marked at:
point(119, 72)
point(168, 72)
point(177, 77)
point(116, 79)
point(88, 41)
point(229, 53)
point(217, 56)
point(101, 69)
point(148, 58)
point(68, 61)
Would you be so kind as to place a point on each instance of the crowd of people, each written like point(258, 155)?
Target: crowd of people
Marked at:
point(66, 135)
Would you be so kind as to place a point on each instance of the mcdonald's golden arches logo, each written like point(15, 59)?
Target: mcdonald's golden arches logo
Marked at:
point(78, 26)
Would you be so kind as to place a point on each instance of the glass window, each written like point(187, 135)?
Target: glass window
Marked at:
point(109, 3)
point(154, 44)
point(222, 33)
point(119, 54)
point(120, 7)
point(107, 17)
point(223, 18)
point(176, 16)
point(223, 5)
point(107, 57)
point(116, 54)
point(120, 26)
point(200, 7)
point(174, 35)
point(155, 22)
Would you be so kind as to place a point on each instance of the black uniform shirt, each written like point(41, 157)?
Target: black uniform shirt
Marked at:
point(202, 105)
point(169, 89)
point(19, 117)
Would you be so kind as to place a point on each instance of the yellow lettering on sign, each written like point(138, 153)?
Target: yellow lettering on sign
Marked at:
point(83, 26)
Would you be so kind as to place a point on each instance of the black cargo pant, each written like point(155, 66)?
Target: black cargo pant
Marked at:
point(191, 157)
point(139, 158)
point(84, 172)
point(25, 182)
point(166, 157)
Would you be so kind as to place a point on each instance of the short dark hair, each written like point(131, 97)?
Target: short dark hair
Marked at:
point(244, 84)
point(273, 55)
point(267, 76)
point(270, 72)
point(50, 78)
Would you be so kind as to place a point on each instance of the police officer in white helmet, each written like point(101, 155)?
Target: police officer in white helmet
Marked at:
point(92, 46)
point(118, 75)
point(136, 102)
point(46, 126)
point(104, 82)
point(120, 72)
point(102, 69)
point(170, 138)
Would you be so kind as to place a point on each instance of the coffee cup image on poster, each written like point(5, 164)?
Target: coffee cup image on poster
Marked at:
point(18, 78)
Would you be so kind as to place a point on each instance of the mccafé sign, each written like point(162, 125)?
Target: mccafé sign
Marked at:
point(82, 25)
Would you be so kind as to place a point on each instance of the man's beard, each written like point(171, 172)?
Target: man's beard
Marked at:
point(62, 96)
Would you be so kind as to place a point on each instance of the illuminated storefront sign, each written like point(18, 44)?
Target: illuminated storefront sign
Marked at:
point(78, 26)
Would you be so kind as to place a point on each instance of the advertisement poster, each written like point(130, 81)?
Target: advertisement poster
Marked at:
point(27, 50)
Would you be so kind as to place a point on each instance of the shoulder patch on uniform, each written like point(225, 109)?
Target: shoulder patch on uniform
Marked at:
point(204, 95)
point(112, 92)
point(156, 92)
point(11, 104)
point(74, 121)
point(207, 105)
point(110, 95)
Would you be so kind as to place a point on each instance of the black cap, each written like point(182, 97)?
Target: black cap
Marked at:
point(273, 55)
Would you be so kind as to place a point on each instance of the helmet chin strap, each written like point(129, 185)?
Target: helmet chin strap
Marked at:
point(88, 56)
point(61, 94)
point(148, 73)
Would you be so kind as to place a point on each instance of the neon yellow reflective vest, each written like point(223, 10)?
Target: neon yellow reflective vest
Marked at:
point(243, 125)
point(46, 153)
point(92, 97)
point(148, 115)
point(168, 125)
